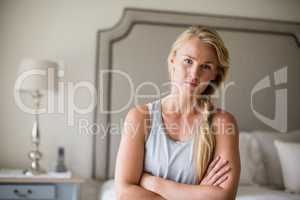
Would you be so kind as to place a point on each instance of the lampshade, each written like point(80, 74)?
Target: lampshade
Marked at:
point(37, 75)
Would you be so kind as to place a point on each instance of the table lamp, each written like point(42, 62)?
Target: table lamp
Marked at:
point(40, 78)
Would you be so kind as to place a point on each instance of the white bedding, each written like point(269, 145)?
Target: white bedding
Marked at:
point(107, 190)
point(253, 192)
point(245, 192)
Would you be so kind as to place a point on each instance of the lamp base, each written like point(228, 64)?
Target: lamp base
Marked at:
point(34, 172)
point(35, 168)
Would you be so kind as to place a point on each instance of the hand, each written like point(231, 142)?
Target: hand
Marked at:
point(148, 182)
point(216, 172)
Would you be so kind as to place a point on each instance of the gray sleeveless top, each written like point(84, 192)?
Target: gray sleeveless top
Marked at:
point(165, 157)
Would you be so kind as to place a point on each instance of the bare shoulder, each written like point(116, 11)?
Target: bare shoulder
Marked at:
point(129, 165)
point(226, 132)
point(224, 122)
point(223, 115)
point(138, 112)
point(137, 119)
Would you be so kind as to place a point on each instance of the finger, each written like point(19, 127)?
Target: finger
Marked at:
point(203, 182)
point(220, 181)
point(220, 174)
point(213, 164)
point(217, 168)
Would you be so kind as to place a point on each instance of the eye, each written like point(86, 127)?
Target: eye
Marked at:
point(206, 67)
point(188, 61)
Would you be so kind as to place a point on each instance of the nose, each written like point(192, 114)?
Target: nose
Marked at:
point(195, 74)
point(194, 80)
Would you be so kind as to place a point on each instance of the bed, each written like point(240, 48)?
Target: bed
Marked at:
point(253, 192)
point(131, 59)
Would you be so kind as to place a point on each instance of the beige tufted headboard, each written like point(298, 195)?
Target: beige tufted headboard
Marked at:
point(262, 89)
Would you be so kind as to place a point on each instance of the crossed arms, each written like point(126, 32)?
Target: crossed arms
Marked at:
point(219, 182)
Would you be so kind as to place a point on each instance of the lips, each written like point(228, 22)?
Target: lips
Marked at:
point(193, 84)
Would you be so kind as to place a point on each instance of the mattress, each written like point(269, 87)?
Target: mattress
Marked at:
point(245, 192)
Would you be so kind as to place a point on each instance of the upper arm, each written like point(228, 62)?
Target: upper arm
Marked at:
point(227, 146)
point(129, 165)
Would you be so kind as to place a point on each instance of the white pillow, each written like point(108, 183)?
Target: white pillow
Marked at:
point(270, 156)
point(289, 156)
point(252, 166)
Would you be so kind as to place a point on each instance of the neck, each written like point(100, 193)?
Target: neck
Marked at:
point(181, 105)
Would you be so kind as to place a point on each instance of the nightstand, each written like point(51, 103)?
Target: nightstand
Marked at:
point(40, 188)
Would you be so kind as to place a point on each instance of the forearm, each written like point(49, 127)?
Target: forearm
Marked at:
point(172, 190)
point(136, 192)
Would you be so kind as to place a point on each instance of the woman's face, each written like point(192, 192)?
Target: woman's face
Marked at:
point(195, 64)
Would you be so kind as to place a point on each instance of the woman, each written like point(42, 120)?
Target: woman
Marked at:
point(181, 146)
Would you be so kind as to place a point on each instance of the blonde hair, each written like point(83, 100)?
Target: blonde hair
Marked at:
point(204, 139)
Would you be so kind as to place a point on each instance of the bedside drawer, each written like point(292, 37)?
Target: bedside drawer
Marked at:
point(27, 191)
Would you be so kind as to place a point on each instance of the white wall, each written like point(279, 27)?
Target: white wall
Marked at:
point(66, 31)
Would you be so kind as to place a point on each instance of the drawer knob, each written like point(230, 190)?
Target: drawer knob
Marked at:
point(22, 194)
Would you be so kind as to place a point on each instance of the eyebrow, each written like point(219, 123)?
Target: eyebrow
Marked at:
point(207, 62)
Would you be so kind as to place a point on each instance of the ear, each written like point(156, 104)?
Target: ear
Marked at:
point(172, 60)
point(172, 57)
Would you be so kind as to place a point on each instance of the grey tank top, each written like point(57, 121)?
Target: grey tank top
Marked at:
point(165, 157)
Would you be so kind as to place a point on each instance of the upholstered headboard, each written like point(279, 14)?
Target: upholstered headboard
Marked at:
point(263, 77)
